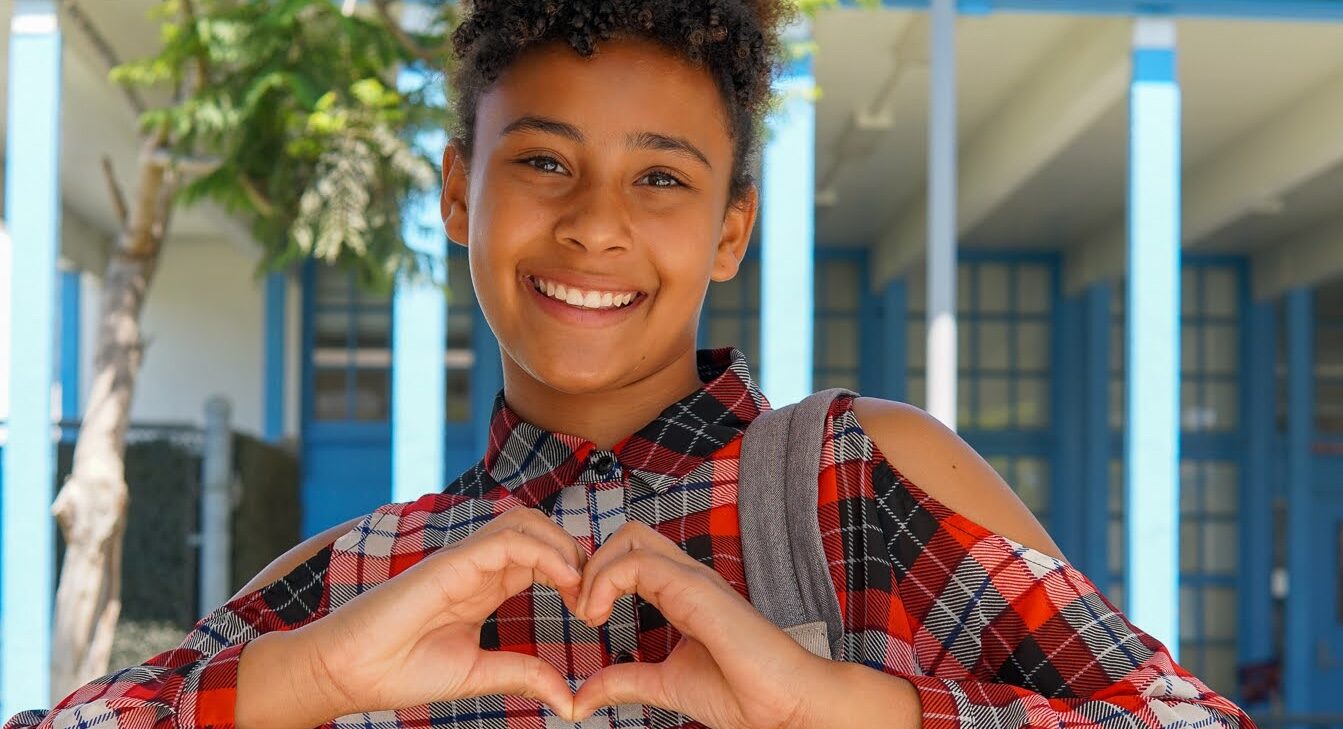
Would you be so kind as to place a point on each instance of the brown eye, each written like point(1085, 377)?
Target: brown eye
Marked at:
point(544, 164)
point(662, 179)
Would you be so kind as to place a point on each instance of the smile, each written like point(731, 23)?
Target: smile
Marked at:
point(582, 298)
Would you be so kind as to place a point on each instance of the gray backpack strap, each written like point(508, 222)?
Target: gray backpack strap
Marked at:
point(787, 574)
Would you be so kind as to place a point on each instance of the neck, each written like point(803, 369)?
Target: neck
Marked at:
point(606, 417)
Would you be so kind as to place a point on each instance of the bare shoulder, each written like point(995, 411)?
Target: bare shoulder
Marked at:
point(297, 555)
point(945, 467)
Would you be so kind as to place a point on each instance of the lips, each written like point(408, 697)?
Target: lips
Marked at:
point(582, 298)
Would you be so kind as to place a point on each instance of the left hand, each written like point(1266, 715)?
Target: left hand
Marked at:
point(732, 669)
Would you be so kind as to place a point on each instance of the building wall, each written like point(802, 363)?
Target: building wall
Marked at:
point(203, 323)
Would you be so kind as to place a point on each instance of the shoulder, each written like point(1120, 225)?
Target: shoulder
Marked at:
point(300, 553)
point(946, 468)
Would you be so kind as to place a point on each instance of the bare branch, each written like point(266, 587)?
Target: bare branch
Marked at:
point(76, 16)
point(430, 55)
point(114, 188)
point(202, 56)
point(257, 197)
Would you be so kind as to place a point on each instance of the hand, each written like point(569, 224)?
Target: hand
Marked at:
point(732, 667)
point(415, 638)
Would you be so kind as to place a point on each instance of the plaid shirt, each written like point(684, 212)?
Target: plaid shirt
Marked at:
point(989, 632)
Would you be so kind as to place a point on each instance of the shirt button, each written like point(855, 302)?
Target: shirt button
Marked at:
point(624, 657)
point(603, 464)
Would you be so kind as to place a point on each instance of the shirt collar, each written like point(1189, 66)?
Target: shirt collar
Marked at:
point(534, 464)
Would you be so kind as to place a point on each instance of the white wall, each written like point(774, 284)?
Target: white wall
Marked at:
point(204, 326)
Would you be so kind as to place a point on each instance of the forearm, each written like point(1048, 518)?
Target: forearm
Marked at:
point(867, 698)
point(278, 687)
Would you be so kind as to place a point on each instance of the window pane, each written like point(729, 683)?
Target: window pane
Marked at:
point(1191, 485)
point(1219, 552)
point(993, 289)
point(1329, 350)
point(1033, 289)
point(1190, 296)
point(1032, 347)
point(1189, 546)
point(749, 274)
point(723, 332)
point(372, 390)
point(458, 396)
point(964, 285)
point(331, 329)
point(750, 345)
point(1329, 407)
point(1222, 405)
point(373, 330)
point(963, 413)
point(1220, 670)
point(965, 360)
point(1032, 402)
point(1188, 623)
point(1192, 415)
point(725, 294)
point(917, 343)
point(1190, 362)
point(994, 407)
point(332, 287)
point(1220, 349)
point(1117, 413)
point(917, 394)
point(1220, 488)
point(1219, 613)
point(328, 394)
point(916, 294)
point(841, 343)
point(1033, 483)
point(993, 354)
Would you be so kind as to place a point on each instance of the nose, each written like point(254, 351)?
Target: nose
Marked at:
point(596, 218)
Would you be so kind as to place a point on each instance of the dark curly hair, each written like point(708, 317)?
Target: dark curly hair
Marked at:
point(738, 41)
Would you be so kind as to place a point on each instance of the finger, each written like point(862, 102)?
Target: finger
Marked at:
point(632, 535)
point(520, 559)
point(535, 522)
point(623, 683)
point(518, 674)
point(699, 606)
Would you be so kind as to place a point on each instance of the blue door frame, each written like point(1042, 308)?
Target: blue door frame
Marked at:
point(1326, 654)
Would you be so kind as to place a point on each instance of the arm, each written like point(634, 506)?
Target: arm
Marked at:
point(1007, 633)
point(236, 657)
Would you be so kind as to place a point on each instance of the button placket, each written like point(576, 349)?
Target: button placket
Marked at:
point(608, 504)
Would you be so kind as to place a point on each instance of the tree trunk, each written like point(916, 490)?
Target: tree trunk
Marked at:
point(92, 504)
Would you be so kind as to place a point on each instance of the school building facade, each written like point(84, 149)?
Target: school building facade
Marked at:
point(1102, 237)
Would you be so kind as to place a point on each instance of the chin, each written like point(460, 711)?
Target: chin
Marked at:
point(579, 372)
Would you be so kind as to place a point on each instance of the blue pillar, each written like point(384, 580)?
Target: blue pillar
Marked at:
point(788, 247)
point(1300, 432)
point(895, 331)
point(70, 355)
point(1152, 448)
point(419, 343)
point(33, 214)
point(277, 295)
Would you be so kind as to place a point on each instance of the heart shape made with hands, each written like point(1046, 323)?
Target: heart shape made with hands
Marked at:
point(732, 666)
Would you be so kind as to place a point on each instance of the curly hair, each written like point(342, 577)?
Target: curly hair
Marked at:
point(737, 41)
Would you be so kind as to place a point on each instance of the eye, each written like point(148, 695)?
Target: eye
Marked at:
point(663, 179)
point(544, 164)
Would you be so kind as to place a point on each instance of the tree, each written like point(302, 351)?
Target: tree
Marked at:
point(288, 113)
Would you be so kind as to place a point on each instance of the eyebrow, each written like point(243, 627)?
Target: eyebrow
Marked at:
point(637, 140)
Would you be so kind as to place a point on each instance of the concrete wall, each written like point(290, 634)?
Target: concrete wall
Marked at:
point(204, 327)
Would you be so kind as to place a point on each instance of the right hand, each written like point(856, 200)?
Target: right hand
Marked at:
point(415, 638)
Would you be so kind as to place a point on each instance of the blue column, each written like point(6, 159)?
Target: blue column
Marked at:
point(419, 344)
point(788, 247)
point(1300, 433)
point(1152, 448)
point(277, 296)
point(70, 355)
point(895, 323)
point(942, 224)
point(33, 213)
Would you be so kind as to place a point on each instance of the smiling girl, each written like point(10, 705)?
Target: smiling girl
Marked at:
point(589, 568)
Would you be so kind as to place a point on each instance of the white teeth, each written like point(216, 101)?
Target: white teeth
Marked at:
point(583, 299)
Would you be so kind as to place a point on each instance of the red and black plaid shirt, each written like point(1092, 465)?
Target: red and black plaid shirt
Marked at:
point(990, 633)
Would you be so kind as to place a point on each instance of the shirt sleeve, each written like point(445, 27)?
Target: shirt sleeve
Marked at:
point(1007, 636)
point(195, 684)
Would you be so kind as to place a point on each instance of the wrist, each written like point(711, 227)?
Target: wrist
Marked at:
point(855, 695)
point(280, 685)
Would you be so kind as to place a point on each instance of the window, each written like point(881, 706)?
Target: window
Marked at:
point(459, 357)
point(1329, 358)
point(351, 349)
point(1004, 311)
point(841, 286)
point(732, 313)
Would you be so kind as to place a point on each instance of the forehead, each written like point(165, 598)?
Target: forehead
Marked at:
point(626, 86)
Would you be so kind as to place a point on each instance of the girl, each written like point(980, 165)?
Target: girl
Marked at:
point(588, 569)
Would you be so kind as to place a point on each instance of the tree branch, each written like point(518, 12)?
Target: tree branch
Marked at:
point(429, 55)
point(114, 188)
point(202, 56)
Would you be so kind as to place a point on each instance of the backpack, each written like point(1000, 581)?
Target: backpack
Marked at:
point(787, 573)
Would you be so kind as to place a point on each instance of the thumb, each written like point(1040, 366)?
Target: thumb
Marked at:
point(518, 674)
point(622, 683)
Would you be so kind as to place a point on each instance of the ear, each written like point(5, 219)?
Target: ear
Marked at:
point(737, 226)
point(452, 204)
